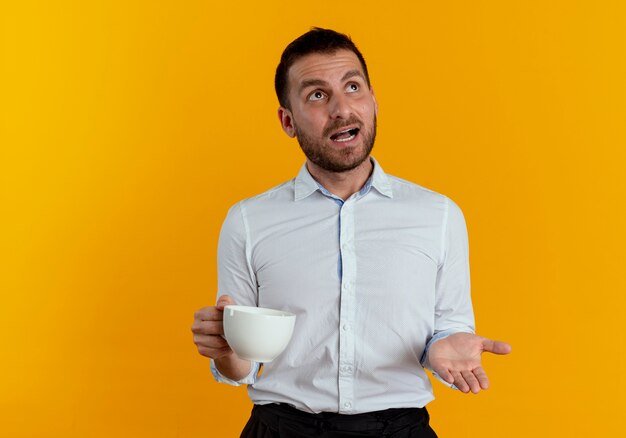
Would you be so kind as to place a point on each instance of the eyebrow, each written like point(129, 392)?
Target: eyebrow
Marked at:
point(319, 82)
point(351, 74)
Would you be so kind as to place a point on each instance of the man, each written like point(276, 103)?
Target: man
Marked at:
point(376, 269)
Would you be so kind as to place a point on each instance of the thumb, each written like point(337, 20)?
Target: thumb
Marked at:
point(224, 300)
point(497, 347)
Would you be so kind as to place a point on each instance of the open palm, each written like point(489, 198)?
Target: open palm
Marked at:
point(456, 359)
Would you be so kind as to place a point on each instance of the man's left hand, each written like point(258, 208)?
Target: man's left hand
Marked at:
point(456, 359)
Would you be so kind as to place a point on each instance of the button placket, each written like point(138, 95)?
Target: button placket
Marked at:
point(347, 307)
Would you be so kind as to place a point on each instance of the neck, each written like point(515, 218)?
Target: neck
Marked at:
point(342, 184)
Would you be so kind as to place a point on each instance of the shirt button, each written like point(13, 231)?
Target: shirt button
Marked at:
point(346, 327)
point(347, 405)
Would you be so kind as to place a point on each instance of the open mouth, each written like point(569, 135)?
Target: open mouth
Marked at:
point(345, 135)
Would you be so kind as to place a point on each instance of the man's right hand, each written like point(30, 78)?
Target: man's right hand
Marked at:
point(208, 328)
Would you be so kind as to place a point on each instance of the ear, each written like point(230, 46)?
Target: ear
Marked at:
point(375, 103)
point(286, 121)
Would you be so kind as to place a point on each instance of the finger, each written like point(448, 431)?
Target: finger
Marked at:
point(224, 300)
point(208, 327)
point(202, 314)
point(211, 342)
point(460, 382)
point(471, 381)
point(445, 375)
point(497, 347)
point(214, 353)
point(208, 314)
point(481, 376)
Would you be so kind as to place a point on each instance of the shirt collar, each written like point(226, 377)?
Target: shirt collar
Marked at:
point(380, 180)
point(305, 184)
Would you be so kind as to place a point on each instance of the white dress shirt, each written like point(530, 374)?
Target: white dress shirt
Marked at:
point(373, 281)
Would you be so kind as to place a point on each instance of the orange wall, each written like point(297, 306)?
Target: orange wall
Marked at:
point(127, 131)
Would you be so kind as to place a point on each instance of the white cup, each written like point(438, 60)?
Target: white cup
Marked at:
point(256, 333)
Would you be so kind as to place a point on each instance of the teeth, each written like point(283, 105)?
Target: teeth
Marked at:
point(345, 139)
point(347, 131)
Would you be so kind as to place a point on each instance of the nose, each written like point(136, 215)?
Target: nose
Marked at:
point(340, 107)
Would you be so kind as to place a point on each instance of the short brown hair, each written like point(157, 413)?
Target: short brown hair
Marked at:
point(317, 40)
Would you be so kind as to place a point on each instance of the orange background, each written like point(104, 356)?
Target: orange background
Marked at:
point(129, 128)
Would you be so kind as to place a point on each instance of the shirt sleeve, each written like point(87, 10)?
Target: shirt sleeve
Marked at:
point(235, 276)
point(453, 303)
point(249, 379)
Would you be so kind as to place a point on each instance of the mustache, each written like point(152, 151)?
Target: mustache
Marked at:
point(338, 124)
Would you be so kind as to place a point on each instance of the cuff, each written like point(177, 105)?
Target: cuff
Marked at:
point(248, 380)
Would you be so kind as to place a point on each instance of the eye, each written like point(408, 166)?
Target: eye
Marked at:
point(352, 87)
point(316, 95)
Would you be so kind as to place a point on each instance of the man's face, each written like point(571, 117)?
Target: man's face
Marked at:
point(333, 112)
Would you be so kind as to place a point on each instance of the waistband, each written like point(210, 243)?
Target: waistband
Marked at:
point(281, 416)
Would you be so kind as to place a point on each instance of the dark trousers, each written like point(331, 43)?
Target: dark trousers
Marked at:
point(283, 421)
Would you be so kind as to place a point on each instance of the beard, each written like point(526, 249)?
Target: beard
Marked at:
point(334, 159)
